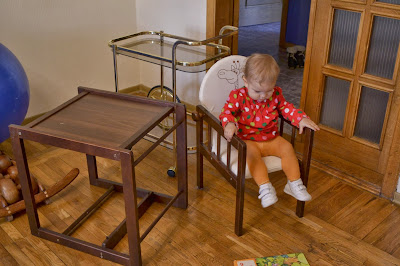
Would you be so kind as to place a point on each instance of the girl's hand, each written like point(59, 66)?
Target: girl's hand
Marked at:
point(229, 130)
point(306, 122)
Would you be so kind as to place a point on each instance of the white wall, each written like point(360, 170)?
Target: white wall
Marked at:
point(63, 44)
point(185, 18)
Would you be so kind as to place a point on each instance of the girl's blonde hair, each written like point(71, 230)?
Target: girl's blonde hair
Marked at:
point(261, 68)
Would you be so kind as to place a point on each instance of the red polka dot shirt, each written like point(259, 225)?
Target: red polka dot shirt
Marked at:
point(258, 120)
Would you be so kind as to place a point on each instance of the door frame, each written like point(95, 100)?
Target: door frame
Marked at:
point(219, 14)
point(226, 12)
point(282, 35)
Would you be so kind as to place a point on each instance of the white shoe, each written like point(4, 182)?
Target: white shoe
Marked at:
point(267, 195)
point(297, 190)
point(299, 48)
point(291, 50)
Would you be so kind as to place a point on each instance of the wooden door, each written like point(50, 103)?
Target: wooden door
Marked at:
point(219, 14)
point(351, 88)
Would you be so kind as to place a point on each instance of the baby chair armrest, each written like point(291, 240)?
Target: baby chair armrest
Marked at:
point(204, 117)
point(215, 124)
point(308, 138)
point(307, 132)
point(307, 149)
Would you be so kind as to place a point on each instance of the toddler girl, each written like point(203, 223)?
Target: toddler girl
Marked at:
point(252, 113)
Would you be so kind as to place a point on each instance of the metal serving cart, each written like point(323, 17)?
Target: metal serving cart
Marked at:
point(171, 51)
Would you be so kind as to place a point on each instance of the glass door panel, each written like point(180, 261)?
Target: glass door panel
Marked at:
point(384, 44)
point(371, 114)
point(334, 103)
point(344, 38)
point(394, 2)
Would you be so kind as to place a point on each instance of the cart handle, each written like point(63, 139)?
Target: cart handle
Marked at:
point(233, 29)
point(183, 40)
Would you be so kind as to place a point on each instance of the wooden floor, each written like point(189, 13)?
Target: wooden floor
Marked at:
point(342, 225)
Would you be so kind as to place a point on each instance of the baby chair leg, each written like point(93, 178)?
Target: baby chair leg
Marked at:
point(301, 204)
point(239, 206)
point(199, 170)
point(199, 141)
point(300, 208)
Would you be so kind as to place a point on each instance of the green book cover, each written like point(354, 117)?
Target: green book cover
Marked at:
point(295, 259)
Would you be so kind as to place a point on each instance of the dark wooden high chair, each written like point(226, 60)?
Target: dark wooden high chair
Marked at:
point(229, 158)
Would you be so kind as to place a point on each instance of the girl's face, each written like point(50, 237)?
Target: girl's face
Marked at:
point(259, 91)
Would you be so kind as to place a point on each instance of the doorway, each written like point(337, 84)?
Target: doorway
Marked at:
point(260, 26)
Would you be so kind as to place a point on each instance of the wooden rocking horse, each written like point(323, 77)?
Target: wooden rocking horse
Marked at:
point(11, 200)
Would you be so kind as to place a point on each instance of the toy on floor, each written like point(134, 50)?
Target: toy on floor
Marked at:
point(11, 200)
point(14, 92)
point(297, 259)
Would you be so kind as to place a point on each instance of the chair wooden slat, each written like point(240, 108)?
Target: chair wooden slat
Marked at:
point(199, 143)
point(281, 124)
point(209, 137)
point(228, 154)
point(219, 147)
point(293, 137)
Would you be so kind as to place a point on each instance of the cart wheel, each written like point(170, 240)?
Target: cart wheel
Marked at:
point(171, 171)
point(166, 95)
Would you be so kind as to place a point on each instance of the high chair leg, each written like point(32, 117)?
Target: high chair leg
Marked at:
point(239, 207)
point(199, 140)
point(300, 204)
point(199, 169)
point(305, 166)
point(300, 208)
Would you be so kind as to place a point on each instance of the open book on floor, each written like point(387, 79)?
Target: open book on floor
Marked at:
point(294, 259)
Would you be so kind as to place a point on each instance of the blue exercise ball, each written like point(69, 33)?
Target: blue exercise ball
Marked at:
point(14, 92)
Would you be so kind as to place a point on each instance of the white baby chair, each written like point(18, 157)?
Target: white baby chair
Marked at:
point(220, 80)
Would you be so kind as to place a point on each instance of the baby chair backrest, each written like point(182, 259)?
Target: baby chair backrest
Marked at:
point(220, 80)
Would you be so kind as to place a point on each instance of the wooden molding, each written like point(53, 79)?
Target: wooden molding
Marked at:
point(136, 88)
point(356, 182)
point(396, 198)
point(282, 35)
point(392, 167)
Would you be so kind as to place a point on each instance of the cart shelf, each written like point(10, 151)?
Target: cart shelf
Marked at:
point(176, 52)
